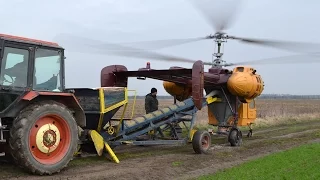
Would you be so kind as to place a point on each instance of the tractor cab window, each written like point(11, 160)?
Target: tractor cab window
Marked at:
point(47, 70)
point(14, 67)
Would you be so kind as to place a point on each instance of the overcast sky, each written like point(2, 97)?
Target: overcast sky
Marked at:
point(138, 20)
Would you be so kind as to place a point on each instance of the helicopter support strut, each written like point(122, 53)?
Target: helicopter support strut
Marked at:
point(250, 130)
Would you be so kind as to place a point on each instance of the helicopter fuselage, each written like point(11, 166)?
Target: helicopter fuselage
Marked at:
point(243, 82)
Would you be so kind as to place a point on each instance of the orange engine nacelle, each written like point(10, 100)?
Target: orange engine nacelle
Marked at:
point(181, 92)
point(245, 83)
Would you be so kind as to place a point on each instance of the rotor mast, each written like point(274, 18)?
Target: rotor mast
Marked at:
point(219, 38)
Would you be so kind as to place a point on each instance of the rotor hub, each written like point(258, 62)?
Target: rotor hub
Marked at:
point(218, 37)
point(218, 62)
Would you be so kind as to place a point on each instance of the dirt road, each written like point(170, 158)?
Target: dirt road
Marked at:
point(167, 162)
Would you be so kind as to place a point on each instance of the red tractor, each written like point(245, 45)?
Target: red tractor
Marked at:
point(39, 119)
point(43, 125)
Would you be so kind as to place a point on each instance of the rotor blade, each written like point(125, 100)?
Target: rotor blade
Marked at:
point(79, 44)
point(223, 17)
point(158, 44)
point(293, 59)
point(150, 55)
point(303, 47)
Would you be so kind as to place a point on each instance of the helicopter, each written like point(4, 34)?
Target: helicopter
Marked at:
point(235, 89)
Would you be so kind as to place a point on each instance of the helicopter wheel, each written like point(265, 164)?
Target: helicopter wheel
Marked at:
point(201, 142)
point(235, 137)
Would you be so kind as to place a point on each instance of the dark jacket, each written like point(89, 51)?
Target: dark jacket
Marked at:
point(151, 103)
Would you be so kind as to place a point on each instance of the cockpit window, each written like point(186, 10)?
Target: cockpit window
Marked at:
point(14, 67)
point(240, 69)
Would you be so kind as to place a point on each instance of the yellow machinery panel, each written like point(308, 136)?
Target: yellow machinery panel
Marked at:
point(247, 113)
point(110, 99)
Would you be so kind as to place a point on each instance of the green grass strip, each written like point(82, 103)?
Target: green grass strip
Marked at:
point(302, 162)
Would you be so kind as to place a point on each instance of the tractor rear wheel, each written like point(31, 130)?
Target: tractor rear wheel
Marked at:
point(44, 138)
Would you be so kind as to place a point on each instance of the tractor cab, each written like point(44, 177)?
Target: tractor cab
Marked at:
point(28, 65)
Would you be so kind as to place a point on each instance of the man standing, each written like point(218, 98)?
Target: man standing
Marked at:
point(151, 101)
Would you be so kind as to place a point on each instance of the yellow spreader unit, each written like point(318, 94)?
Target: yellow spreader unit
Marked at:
point(99, 144)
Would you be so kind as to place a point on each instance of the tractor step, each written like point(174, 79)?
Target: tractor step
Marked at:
point(2, 154)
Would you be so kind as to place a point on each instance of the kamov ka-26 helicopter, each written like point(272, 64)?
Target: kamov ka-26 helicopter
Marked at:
point(233, 91)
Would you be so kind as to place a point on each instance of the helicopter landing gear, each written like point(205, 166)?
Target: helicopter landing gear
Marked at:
point(250, 130)
point(235, 137)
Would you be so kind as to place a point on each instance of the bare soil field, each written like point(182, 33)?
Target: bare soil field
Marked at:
point(282, 124)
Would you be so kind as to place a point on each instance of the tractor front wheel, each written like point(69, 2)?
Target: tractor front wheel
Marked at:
point(44, 138)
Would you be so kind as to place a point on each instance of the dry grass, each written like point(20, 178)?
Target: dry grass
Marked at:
point(269, 112)
point(273, 112)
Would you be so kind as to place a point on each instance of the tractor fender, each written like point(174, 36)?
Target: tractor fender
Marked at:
point(67, 99)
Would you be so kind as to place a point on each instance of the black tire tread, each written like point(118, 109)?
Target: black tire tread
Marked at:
point(232, 138)
point(17, 150)
point(196, 142)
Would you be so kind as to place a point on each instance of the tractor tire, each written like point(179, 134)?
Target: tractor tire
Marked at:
point(42, 127)
point(201, 142)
